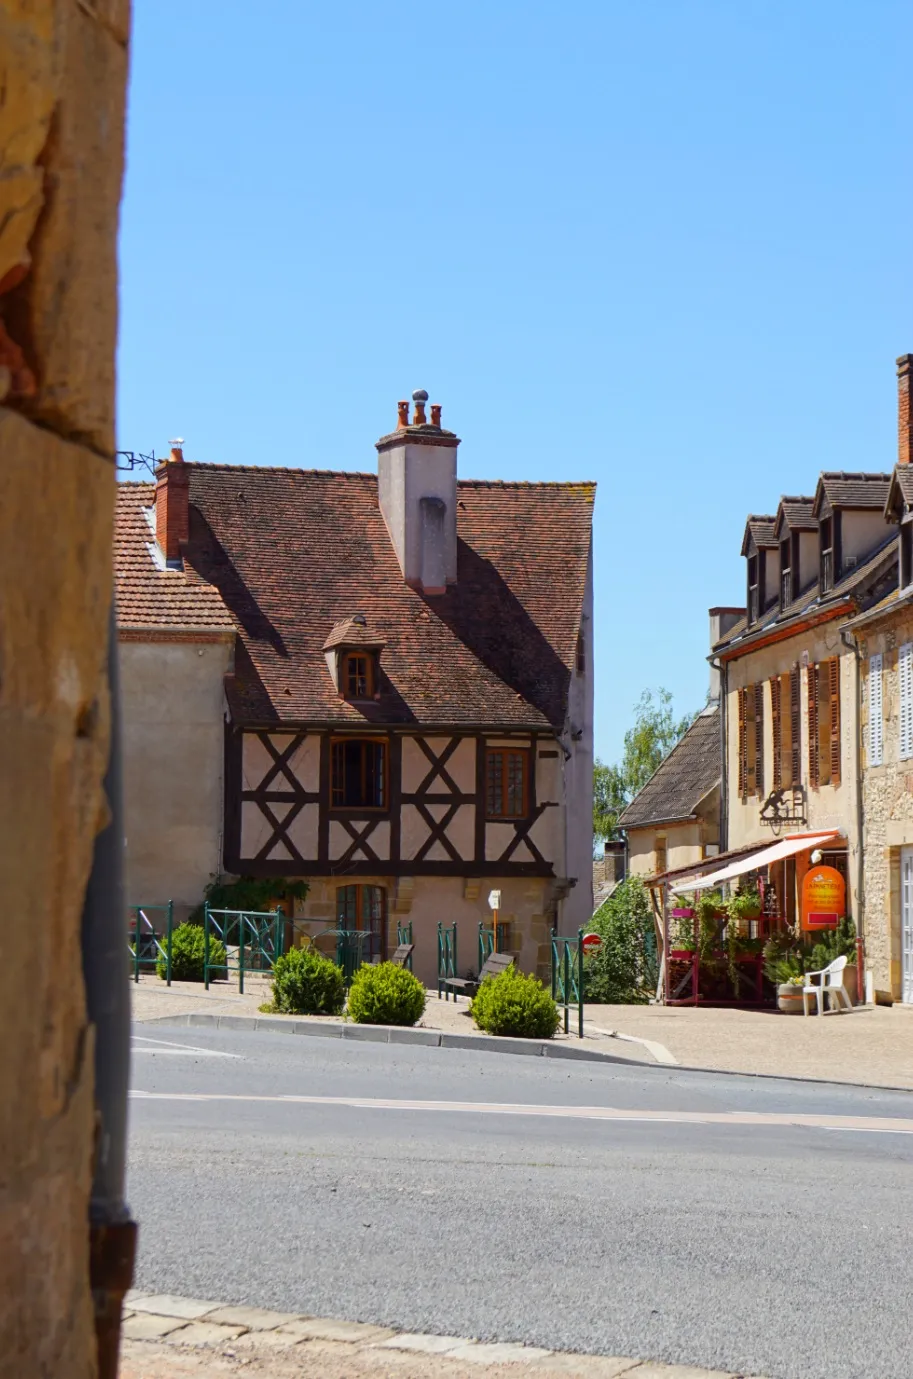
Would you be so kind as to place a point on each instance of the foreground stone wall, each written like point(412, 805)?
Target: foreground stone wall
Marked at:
point(63, 72)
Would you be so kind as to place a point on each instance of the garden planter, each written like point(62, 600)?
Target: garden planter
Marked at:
point(789, 999)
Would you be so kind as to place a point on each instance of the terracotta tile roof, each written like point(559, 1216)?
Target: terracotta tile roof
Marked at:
point(148, 595)
point(354, 631)
point(295, 552)
point(681, 781)
point(761, 529)
point(795, 514)
point(851, 490)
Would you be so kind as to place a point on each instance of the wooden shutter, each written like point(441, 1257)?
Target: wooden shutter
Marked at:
point(794, 717)
point(743, 745)
point(776, 733)
point(875, 735)
point(905, 678)
point(812, 683)
point(833, 686)
point(759, 739)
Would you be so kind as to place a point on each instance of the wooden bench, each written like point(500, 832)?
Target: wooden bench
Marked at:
point(493, 967)
point(402, 955)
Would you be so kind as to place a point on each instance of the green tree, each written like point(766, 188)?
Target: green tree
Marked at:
point(654, 733)
point(623, 969)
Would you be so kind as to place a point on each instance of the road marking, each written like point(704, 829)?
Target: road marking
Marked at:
point(165, 1046)
point(893, 1125)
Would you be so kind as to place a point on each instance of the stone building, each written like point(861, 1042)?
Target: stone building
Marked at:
point(381, 684)
point(884, 643)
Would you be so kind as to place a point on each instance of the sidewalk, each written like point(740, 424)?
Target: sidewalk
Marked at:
point(872, 1045)
point(172, 1337)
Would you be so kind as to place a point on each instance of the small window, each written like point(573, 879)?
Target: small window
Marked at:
point(581, 654)
point(660, 855)
point(826, 528)
point(786, 574)
point(357, 675)
point(507, 782)
point(359, 773)
point(906, 553)
point(754, 578)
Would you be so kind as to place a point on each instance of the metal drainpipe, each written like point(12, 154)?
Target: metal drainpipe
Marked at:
point(849, 641)
point(722, 667)
point(112, 1232)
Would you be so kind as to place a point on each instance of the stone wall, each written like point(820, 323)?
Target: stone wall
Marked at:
point(64, 69)
point(887, 802)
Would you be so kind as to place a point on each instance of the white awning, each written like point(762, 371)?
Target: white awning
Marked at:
point(752, 861)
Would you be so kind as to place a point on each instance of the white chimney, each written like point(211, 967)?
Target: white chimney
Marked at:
point(417, 490)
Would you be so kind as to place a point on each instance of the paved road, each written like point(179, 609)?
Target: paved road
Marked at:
point(313, 1175)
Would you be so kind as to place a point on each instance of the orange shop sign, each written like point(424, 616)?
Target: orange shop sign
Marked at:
point(823, 898)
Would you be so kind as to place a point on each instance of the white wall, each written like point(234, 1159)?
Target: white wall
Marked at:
point(172, 703)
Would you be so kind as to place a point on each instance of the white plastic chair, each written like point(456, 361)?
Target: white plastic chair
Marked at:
point(831, 984)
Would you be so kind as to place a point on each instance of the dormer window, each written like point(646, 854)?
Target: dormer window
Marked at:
point(357, 678)
point(786, 574)
point(906, 551)
point(754, 586)
point(828, 563)
point(353, 650)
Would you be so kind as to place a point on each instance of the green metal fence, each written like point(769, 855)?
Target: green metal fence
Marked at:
point(252, 940)
point(146, 943)
point(487, 941)
point(350, 951)
point(567, 977)
point(404, 935)
point(446, 958)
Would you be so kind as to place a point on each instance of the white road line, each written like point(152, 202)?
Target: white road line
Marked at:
point(886, 1125)
point(165, 1046)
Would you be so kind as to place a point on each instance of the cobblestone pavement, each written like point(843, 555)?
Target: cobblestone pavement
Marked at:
point(173, 1337)
point(870, 1045)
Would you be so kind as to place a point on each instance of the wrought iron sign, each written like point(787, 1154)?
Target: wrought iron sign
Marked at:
point(783, 809)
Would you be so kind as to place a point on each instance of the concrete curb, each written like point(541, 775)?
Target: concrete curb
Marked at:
point(180, 1321)
point(484, 1043)
point(395, 1034)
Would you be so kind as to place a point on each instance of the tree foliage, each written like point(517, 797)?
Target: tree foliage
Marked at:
point(654, 733)
point(623, 970)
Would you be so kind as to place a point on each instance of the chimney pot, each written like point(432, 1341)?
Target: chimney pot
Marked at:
point(904, 433)
point(177, 451)
point(419, 397)
point(402, 420)
point(435, 414)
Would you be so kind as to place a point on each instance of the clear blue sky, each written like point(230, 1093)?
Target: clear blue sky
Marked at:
point(663, 244)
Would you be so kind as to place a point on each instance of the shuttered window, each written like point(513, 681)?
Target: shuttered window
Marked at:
point(813, 727)
point(794, 718)
point(875, 733)
point(776, 733)
point(905, 676)
point(751, 740)
point(824, 723)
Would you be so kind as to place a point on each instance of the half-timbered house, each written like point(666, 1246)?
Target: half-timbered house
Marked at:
point(398, 669)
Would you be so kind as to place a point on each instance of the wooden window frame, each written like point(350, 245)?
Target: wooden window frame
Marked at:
point(347, 740)
point(776, 727)
point(795, 726)
point(345, 658)
point(754, 588)
point(504, 753)
point(786, 574)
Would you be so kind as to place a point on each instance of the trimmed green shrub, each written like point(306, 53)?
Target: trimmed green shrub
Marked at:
point(382, 994)
point(187, 948)
point(514, 1003)
point(307, 983)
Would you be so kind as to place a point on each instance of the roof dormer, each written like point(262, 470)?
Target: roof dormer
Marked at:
point(352, 652)
point(851, 522)
point(760, 548)
point(795, 530)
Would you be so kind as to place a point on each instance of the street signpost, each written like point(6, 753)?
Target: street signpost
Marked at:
point(494, 903)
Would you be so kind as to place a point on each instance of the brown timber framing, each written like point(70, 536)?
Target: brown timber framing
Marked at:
point(280, 786)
